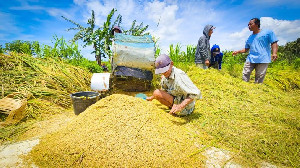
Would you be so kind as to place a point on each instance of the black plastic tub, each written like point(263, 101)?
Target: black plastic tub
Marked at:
point(82, 100)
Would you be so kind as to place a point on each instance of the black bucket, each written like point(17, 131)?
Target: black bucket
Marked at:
point(82, 100)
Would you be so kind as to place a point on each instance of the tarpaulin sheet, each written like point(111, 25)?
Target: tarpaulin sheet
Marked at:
point(135, 72)
point(133, 51)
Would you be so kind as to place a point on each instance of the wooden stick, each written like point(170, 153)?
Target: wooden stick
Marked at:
point(2, 91)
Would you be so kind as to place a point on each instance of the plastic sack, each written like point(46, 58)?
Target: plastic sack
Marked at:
point(133, 51)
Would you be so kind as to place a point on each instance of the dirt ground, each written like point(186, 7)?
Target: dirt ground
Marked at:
point(10, 153)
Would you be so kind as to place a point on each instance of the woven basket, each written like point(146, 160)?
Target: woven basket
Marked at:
point(9, 104)
point(15, 108)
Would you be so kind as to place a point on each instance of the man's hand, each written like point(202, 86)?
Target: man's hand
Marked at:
point(207, 62)
point(274, 57)
point(240, 51)
point(150, 98)
point(234, 53)
point(274, 47)
point(176, 108)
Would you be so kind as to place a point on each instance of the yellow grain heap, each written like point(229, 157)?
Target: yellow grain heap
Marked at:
point(119, 131)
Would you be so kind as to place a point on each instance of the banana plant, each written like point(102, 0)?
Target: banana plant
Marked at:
point(99, 38)
point(137, 30)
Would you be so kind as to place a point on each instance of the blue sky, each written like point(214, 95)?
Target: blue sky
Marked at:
point(171, 21)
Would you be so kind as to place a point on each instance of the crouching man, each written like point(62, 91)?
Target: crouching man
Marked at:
point(177, 90)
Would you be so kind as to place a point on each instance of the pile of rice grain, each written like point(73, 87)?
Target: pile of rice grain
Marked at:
point(119, 131)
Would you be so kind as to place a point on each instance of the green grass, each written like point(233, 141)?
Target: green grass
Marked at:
point(256, 121)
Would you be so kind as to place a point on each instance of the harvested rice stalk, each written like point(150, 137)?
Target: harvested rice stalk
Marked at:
point(47, 79)
point(118, 131)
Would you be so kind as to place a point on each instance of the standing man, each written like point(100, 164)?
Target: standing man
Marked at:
point(202, 55)
point(259, 45)
point(177, 90)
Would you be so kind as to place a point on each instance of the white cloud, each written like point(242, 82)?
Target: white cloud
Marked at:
point(165, 16)
point(79, 2)
point(167, 25)
point(130, 9)
point(55, 12)
point(103, 8)
point(58, 12)
point(230, 41)
point(180, 22)
point(99, 8)
point(241, 34)
point(27, 7)
point(285, 30)
point(195, 16)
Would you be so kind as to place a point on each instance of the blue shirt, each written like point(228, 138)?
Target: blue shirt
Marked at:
point(216, 59)
point(260, 46)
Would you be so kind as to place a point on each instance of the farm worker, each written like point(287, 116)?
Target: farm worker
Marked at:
point(177, 90)
point(259, 44)
point(116, 29)
point(104, 67)
point(202, 55)
point(216, 57)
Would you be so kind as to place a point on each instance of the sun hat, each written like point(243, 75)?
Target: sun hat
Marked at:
point(162, 64)
point(116, 28)
point(215, 49)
